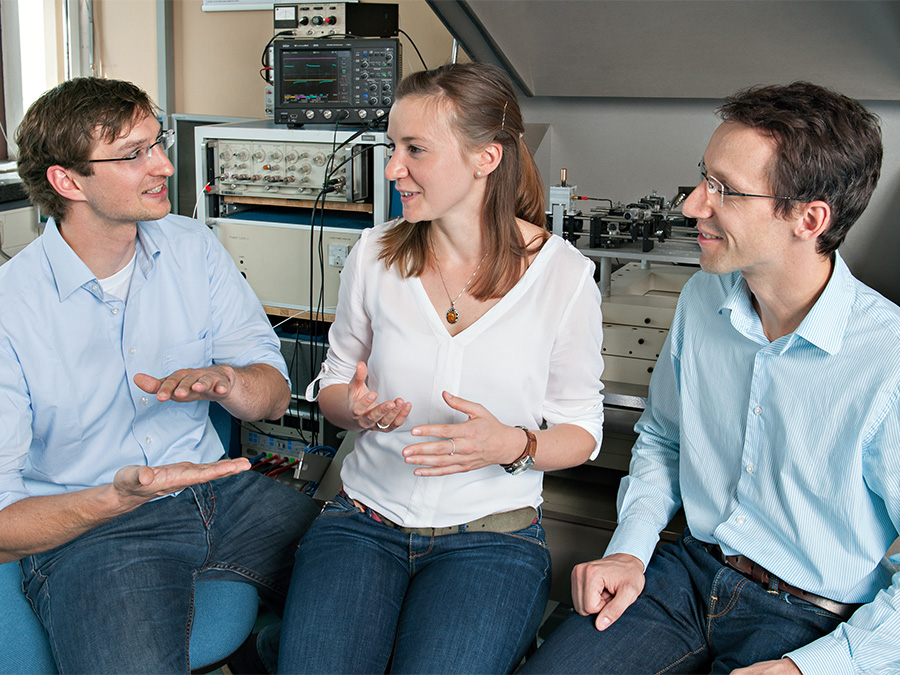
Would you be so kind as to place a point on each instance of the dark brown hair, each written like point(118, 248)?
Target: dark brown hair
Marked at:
point(828, 148)
point(63, 126)
point(482, 109)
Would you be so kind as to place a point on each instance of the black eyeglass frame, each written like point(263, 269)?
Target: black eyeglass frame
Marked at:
point(167, 137)
point(728, 192)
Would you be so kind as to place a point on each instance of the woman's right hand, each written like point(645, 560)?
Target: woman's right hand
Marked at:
point(364, 407)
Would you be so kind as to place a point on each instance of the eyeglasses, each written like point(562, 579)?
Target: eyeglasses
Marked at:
point(715, 186)
point(165, 140)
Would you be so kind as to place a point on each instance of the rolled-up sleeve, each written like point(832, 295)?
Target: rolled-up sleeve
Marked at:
point(15, 428)
point(574, 386)
point(242, 334)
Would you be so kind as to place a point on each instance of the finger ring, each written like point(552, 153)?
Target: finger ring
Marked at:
point(452, 446)
point(382, 427)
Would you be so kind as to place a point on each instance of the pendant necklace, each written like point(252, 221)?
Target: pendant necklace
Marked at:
point(453, 313)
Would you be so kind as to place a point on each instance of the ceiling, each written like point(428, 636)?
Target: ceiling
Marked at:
point(682, 48)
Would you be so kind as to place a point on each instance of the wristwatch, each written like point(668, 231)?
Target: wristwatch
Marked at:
point(526, 459)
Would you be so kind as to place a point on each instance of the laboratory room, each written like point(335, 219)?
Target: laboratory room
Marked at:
point(276, 277)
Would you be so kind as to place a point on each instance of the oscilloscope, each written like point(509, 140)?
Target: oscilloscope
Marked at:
point(351, 81)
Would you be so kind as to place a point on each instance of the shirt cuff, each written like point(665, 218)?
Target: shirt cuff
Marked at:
point(825, 656)
point(635, 537)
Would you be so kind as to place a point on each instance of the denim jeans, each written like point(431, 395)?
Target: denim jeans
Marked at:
point(365, 596)
point(695, 615)
point(119, 598)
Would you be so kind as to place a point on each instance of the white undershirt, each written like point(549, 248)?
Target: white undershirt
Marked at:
point(119, 283)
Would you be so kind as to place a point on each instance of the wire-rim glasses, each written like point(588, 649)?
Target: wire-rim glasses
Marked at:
point(165, 140)
point(715, 186)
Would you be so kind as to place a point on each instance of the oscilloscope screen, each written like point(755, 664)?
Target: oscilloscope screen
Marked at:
point(315, 76)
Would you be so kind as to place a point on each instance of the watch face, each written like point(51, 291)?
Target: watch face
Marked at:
point(520, 465)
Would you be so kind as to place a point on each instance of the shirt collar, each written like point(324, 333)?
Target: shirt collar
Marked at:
point(823, 326)
point(826, 323)
point(70, 272)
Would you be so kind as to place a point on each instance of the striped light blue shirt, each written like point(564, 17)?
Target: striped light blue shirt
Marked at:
point(787, 452)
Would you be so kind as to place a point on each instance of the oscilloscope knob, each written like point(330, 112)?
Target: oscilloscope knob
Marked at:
point(364, 64)
point(331, 20)
point(364, 75)
point(327, 114)
point(304, 20)
point(318, 20)
point(310, 114)
point(363, 114)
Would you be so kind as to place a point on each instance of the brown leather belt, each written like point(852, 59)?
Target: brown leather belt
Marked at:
point(505, 521)
point(774, 584)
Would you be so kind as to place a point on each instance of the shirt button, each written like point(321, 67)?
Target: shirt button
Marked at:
point(131, 351)
point(757, 410)
point(148, 440)
point(144, 401)
point(115, 310)
point(750, 468)
point(740, 520)
point(95, 287)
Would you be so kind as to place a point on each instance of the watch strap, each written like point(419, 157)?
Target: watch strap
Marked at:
point(529, 451)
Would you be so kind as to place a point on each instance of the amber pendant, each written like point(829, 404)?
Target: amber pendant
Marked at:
point(452, 315)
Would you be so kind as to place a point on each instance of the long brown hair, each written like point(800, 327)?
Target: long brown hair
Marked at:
point(482, 109)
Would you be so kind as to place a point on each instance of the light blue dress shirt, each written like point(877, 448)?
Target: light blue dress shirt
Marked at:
point(787, 452)
point(70, 413)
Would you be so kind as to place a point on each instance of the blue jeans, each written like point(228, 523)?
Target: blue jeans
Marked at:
point(119, 598)
point(364, 596)
point(695, 615)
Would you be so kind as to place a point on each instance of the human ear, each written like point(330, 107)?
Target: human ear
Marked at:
point(488, 159)
point(814, 218)
point(65, 182)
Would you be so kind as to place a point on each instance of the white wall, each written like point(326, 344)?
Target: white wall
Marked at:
point(622, 149)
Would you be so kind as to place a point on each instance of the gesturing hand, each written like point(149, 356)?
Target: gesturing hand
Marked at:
point(367, 412)
point(144, 483)
point(480, 441)
point(190, 384)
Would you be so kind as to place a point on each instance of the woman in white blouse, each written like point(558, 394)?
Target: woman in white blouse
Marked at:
point(466, 352)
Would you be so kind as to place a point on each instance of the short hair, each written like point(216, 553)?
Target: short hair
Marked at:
point(481, 108)
point(63, 126)
point(828, 148)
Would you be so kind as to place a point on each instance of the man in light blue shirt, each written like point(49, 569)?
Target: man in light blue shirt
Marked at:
point(773, 419)
point(118, 326)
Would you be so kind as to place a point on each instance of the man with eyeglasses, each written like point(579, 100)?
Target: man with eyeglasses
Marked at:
point(773, 419)
point(118, 326)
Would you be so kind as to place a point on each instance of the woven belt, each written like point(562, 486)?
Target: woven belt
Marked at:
point(754, 572)
point(505, 521)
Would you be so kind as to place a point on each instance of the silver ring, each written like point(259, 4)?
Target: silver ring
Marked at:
point(386, 426)
point(452, 446)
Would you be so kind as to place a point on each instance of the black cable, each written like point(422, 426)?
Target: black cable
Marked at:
point(264, 57)
point(596, 199)
point(424, 65)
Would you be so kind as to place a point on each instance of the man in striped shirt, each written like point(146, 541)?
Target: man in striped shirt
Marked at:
point(773, 419)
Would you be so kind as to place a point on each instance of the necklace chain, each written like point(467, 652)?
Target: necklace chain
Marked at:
point(453, 313)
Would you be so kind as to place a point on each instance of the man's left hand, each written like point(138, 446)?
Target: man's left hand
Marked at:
point(190, 384)
point(780, 667)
